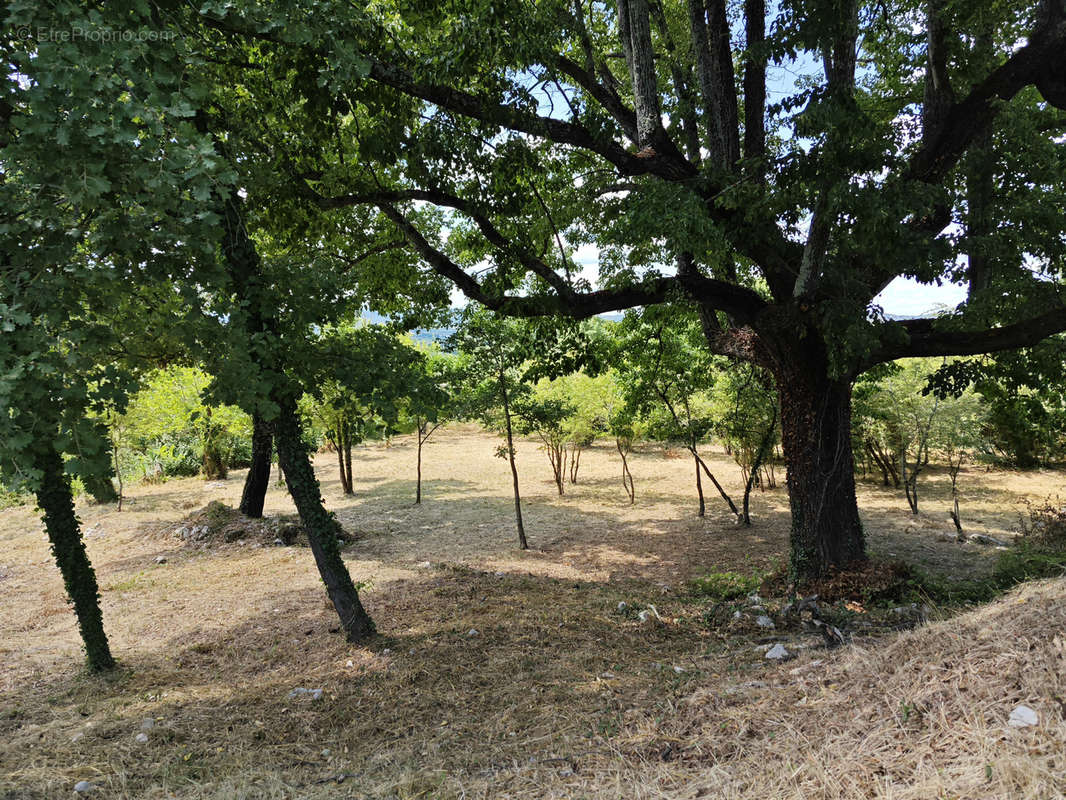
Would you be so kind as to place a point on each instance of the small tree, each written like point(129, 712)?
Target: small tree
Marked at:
point(547, 417)
point(492, 352)
point(430, 402)
point(662, 366)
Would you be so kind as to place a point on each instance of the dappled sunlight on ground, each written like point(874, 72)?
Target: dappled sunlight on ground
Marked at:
point(212, 641)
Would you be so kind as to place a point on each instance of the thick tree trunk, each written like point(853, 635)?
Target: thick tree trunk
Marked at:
point(258, 479)
point(57, 504)
point(816, 438)
point(322, 528)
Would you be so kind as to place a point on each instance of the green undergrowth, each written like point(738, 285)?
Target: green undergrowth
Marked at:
point(726, 585)
point(1014, 566)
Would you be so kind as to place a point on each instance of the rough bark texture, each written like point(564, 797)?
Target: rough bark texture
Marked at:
point(322, 528)
point(258, 479)
point(57, 504)
point(816, 438)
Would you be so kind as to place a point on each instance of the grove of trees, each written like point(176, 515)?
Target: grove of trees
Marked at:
point(204, 201)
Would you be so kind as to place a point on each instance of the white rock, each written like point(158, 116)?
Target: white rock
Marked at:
point(679, 670)
point(81, 787)
point(350, 663)
point(325, 753)
point(777, 652)
point(426, 565)
point(147, 724)
point(622, 606)
point(500, 574)
point(754, 599)
point(764, 622)
point(644, 616)
point(315, 694)
point(386, 651)
point(160, 559)
point(1023, 717)
point(77, 737)
point(473, 632)
point(737, 615)
point(141, 738)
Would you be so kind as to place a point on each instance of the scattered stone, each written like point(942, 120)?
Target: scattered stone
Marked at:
point(473, 632)
point(679, 670)
point(412, 651)
point(608, 676)
point(648, 613)
point(160, 559)
point(737, 615)
point(326, 753)
point(386, 651)
point(141, 738)
point(764, 622)
point(83, 787)
point(77, 737)
point(147, 724)
point(622, 606)
point(1023, 717)
point(426, 565)
point(299, 691)
point(279, 543)
point(778, 653)
point(754, 599)
point(500, 574)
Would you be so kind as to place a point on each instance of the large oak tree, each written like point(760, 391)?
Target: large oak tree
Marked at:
point(923, 139)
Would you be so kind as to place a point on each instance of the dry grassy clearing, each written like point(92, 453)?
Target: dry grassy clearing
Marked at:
point(558, 695)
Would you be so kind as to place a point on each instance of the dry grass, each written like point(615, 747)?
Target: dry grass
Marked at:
point(557, 696)
point(922, 716)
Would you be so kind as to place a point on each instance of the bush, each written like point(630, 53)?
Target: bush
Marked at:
point(1021, 563)
point(9, 499)
point(1044, 526)
point(726, 585)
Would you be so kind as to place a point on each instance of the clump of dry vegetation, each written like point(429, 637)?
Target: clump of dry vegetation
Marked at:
point(922, 715)
point(216, 524)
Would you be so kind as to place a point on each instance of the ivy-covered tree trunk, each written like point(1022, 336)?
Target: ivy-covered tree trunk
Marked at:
point(816, 438)
point(258, 479)
point(57, 504)
point(322, 528)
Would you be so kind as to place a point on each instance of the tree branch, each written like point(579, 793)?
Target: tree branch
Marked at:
point(923, 339)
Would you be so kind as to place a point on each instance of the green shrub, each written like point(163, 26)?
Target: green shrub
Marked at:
point(1019, 564)
point(9, 499)
point(726, 585)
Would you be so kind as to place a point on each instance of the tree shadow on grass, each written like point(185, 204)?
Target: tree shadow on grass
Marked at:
point(549, 674)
